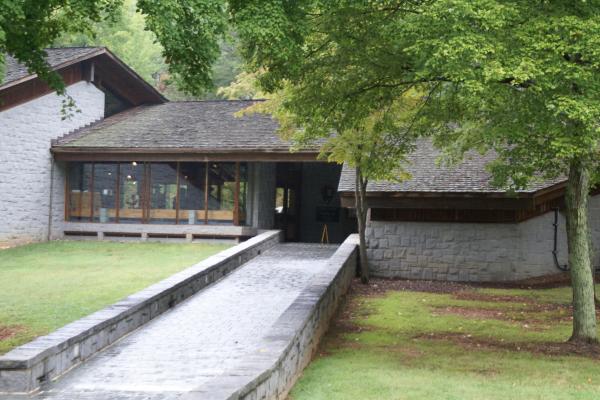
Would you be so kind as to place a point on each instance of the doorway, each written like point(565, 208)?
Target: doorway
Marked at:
point(287, 199)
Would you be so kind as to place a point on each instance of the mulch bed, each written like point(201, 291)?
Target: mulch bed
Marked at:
point(543, 348)
point(344, 322)
point(6, 332)
point(378, 287)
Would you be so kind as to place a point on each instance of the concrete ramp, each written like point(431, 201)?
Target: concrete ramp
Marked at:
point(201, 338)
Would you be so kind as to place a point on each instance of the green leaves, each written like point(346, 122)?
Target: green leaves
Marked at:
point(29, 26)
point(190, 32)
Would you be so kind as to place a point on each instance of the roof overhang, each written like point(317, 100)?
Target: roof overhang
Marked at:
point(66, 153)
point(100, 67)
point(458, 200)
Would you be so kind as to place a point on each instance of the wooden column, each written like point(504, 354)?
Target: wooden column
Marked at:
point(91, 188)
point(236, 196)
point(206, 195)
point(118, 193)
point(68, 192)
point(177, 196)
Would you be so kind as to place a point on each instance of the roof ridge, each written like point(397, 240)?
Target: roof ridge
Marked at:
point(74, 47)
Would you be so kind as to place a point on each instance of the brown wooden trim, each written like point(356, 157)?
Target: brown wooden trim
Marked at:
point(206, 194)
point(118, 193)
point(67, 192)
point(92, 193)
point(55, 68)
point(177, 196)
point(182, 155)
point(470, 203)
point(12, 96)
point(146, 193)
point(118, 77)
point(236, 196)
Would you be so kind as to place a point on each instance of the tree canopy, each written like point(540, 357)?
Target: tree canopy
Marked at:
point(516, 77)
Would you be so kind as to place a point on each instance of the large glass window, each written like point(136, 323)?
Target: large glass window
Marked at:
point(192, 180)
point(168, 193)
point(79, 194)
point(163, 193)
point(131, 193)
point(221, 192)
point(105, 192)
point(243, 192)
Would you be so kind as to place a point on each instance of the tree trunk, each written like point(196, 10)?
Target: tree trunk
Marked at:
point(576, 199)
point(361, 216)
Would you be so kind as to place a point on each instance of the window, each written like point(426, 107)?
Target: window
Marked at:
point(192, 180)
point(105, 192)
point(79, 194)
point(161, 193)
point(221, 192)
point(131, 193)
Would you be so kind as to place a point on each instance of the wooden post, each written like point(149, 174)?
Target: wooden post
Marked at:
point(92, 193)
point(177, 197)
point(68, 193)
point(236, 196)
point(118, 193)
point(206, 195)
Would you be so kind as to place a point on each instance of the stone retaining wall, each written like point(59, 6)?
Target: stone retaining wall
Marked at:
point(457, 251)
point(271, 370)
point(25, 368)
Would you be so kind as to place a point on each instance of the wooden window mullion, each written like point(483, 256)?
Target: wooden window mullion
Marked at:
point(118, 193)
point(68, 193)
point(91, 183)
point(206, 195)
point(236, 196)
point(177, 195)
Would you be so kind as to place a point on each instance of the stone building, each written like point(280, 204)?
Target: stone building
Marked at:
point(126, 162)
point(450, 223)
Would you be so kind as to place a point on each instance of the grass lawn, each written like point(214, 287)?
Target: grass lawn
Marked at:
point(47, 285)
point(466, 343)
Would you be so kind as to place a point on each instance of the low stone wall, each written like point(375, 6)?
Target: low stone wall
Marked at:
point(271, 371)
point(482, 252)
point(144, 231)
point(25, 368)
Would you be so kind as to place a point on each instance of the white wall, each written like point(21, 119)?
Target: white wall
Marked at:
point(25, 161)
point(472, 251)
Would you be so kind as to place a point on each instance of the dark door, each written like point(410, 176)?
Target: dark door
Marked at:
point(287, 199)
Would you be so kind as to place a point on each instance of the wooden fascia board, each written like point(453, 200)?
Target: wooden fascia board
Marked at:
point(56, 68)
point(91, 154)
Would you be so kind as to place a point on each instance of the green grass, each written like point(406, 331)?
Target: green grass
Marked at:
point(47, 285)
point(410, 345)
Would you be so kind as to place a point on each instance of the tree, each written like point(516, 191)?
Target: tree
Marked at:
point(375, 147)
point(520, 78)
point(125, 36)
point(512, 76)
point(516, 77)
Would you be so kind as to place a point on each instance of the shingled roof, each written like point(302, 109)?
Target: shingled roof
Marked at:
point(202, 126)
point(55, 59)
point(470, 176)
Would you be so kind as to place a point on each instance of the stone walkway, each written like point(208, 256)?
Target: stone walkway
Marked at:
point(202, 337)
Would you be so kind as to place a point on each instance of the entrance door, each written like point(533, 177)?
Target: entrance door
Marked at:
point(287, 199)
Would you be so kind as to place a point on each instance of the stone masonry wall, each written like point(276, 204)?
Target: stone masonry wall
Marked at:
point(25, 162)
point(471, 251)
